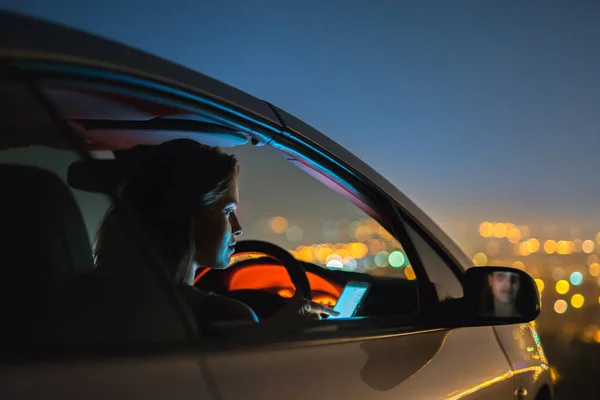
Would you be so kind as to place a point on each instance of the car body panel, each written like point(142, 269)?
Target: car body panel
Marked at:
point(430, 365)
point(523, 349)
point(174, 377)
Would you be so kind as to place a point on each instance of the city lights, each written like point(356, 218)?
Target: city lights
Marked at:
point(587, 246)
point(540, 284)
point(480, 260)
point(576, 278)
point(278, 224)
point(577, 300)
point(514, 235)
point(550, 246)
point(500, 230)
point(560, 306)
point(410, 273)
point(562, 287)
point(533, 245)
point(365, 246)
point(519, 265)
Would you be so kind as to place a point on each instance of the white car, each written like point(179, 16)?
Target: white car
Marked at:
point(69, 99)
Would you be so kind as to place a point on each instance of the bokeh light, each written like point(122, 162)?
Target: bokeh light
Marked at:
point(486, 229)
point(375, 246)
point(518, 265)
point(560, 306)
point(278, 224)
point(524, 248)
point(349, 264)
point(576, 278)
point(594, 269)
point(480, 260)
point(592, 258)
point(514, 235)
point(410, 273)
point(381, 259)
point(294, 233)
point(598, 237)
point(533, 245)
point(540, 284)
point(562, 287)
point(577, 300)
point(335, 264)
point(563, 247)
point(396, 259)
point(500, 230)
point(550, 246)
point(358, 250)
point(587, 246)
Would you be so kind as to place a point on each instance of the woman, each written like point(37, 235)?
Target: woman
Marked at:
point(185, 196)
point(501, 295)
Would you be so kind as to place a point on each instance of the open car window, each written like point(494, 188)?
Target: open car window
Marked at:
point(335, 241)
point(284, 205)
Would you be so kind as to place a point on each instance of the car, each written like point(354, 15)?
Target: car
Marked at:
point(317, 219)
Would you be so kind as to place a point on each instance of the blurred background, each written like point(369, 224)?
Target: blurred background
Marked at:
point(485, 113)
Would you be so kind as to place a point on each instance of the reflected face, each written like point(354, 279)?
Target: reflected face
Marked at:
point(216, 231)
point(505, 286)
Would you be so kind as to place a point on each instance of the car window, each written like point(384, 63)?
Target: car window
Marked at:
point(282, 204)
point(334, 239)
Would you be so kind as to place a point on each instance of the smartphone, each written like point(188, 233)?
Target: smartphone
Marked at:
point(352, 296)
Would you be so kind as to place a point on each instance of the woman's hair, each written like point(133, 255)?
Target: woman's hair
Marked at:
point(162, 187)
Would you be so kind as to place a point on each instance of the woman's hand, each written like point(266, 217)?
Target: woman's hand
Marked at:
point(298, 309)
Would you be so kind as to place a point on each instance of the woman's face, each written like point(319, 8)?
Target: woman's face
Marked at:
point(505, 286)
point(216, 230)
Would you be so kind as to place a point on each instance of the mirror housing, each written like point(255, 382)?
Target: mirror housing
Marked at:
point(492, 296)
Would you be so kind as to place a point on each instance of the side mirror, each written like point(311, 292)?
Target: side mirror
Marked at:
point(500, 296)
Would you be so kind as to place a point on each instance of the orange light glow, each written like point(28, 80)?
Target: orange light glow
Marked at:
point(409, 272)
point(486, 229)
point(523, 249)
point(514, 235)
point(533, 245)
point(278, 224)
point(275, 276)
point(550, 246)
point(587, 246)
point(286, 293)
point(500, 230)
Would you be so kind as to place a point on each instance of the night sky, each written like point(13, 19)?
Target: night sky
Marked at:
point(476, 110)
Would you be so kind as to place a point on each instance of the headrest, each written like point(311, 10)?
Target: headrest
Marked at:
point(43, 238)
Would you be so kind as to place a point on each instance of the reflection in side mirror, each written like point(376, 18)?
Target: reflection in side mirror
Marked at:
point(501, 295)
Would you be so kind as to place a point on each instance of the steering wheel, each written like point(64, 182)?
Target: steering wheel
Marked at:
point(294, 269)
point(265, 303)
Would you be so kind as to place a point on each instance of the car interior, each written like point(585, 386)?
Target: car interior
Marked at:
point(54, 201)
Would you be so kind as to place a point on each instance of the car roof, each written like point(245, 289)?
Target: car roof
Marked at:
point(26, 38)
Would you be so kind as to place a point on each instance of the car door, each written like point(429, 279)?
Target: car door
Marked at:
point(363, 358)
